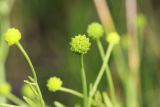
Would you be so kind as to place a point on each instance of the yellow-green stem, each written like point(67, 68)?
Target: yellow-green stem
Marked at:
point(107, 101)
point(101, 72)
point(4, 25)
point(2, 79)
point(28, 60)
point(33, 72)
point(15, 99)
point(108, 73)
point(84, 82)
point(70, 91)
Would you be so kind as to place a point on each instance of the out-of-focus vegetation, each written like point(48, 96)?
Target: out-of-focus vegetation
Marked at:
point(48, 25)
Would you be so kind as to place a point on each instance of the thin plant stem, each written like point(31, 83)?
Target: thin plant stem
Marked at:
point(101, 72)
point(108, 73)
point(15, 99)
point(107, 100)
point(106, 20)
point(73, 92)
point(70, 91)
point(28, 60)
point(84, 82)
point(33, 72)
point(4, 24)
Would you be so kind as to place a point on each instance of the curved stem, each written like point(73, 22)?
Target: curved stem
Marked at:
point(106, 59)
point(84, 82)
point(28, 60)
point(15, 99)
point(70, 91)
point(108, 73)
point(33, 72)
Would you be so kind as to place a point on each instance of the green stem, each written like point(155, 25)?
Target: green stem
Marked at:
point(33, 72)
point(108, 73)
point(2, 79)
point(28, 60)
point(70, 91)
point(106, 59)
point(73, 92)
point(107, 101)
point(4, 24)
point(111, 86)
point(101, 49)
point(84, 82)
point(15, 99)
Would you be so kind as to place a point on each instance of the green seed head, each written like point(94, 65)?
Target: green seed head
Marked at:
point(27, 91)
point(12, 36)
point(5, 88)
point(80, 44)
point(54, 84)
point(95, 30)
point(113, 38)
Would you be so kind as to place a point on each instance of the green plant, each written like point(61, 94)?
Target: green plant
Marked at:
point(80, 45)
point(91, 95)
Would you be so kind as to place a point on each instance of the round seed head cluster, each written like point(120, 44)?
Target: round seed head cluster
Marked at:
point(12, 36)
point(27, 91)
point(113, 38)
point(54, 84)
point(80, 44)
point(5, 88)
point(95, 30)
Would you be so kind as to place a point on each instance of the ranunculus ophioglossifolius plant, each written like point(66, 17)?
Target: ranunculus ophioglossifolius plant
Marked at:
point(80, 45)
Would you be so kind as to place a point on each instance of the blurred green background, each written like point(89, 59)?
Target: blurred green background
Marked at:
point(47, 27)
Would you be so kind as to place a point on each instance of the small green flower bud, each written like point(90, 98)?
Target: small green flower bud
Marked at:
point(113, 38)
point(27, 91)
point(54, 84)
point(12, 36)
point(5, 88)
point(95, 30)
point(80, 44)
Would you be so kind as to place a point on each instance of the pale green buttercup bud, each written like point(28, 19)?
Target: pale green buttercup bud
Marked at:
point(95, 30)
point(27, 91)
point(113, 38)
point(54, 84)
point(12, 36)
point(5, 88)
point(80, 44)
